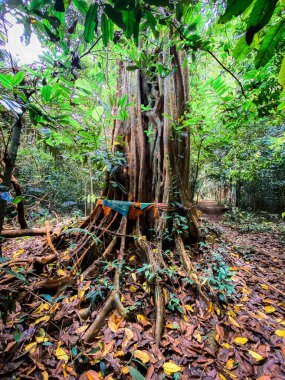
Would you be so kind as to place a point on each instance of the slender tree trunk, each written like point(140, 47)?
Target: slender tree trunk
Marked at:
point(9, 161)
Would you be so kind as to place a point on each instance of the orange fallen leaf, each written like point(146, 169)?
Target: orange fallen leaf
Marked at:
point(230, 363)
point(142, 355)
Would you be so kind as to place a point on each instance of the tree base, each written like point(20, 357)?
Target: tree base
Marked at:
point(108, 276)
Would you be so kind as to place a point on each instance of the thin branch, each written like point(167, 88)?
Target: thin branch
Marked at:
point(228, 71)
point(89, 50)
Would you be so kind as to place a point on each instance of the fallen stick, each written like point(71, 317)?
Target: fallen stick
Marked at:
point(25, 232)
point(9, 234)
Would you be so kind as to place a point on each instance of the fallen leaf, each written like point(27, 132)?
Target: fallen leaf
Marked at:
point(31, 347)
point(170, 368)
point(61, 354)
point(125, 370)
point(142, 355)
point(190, 308)
point(240, 340)
point(92, 375)
point(143, 320)
point(264, 286)
point(233, 322)
point(43, 319)
point(256, 356)
point(230, 363)
point(269, 309)
point(280, 333)
point(45, 375)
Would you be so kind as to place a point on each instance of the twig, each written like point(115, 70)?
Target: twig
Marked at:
point(228, 71)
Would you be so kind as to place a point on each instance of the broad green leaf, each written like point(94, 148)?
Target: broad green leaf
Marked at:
point(97, 113)
point(6, 81)
point(17, 79)
point(81, 6)
point(136, 375)
point(84, 85)
point(46, 92)
point(241, 49)
point(269, 43)
point(17, 199)
point(281, 76)
point(129, 21)
point(90, 22)
point(259, 17)
point(18, 275)
point(114, 15)
point(151, 21)
point(37, 4)
point(105, 30)
point(234, 8)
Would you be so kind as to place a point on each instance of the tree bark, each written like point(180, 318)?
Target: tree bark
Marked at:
point(9, 160)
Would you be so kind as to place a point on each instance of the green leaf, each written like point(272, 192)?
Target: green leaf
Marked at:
point(136, 375)
point(17, 79)
point(81, 6)
point(90, 22)
point(18, 275)
point(6, 81)
point(151, 21)
point(132, 68)
point(234, 8)
point(46, 92)
point(259, 17)
point(241, 49)
point(37, 4)
point(105, 30)
point(281, 76)
point(84, 85)
point(17, 199)
point(129, 21)
point(269, 43)
point(114, 15)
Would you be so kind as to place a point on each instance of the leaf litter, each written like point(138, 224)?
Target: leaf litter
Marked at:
point(240, 334)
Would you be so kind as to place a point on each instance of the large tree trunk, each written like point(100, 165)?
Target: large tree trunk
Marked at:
point(157, 170)
point(157, 157)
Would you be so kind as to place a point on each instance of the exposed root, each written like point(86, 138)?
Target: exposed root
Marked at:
point(113, 300)
point(92, 268)
point(188, 266)
point(50, 243)
point(158, 297)
point(54, 283)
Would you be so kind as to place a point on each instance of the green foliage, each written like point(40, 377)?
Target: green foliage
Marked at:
point(219, 276)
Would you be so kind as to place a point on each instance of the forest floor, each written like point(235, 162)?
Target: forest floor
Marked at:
point(240, 336)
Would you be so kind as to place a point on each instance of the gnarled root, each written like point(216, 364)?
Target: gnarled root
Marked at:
point(158, 297)
point(113, 300)
point(188, 266)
